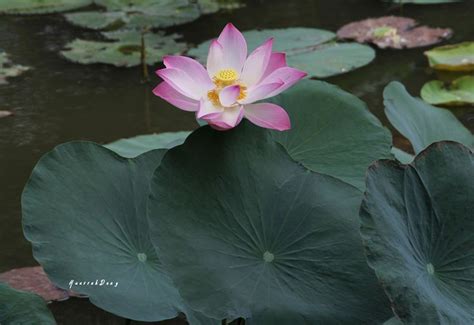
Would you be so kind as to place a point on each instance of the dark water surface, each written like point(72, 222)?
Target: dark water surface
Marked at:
point(59, 101)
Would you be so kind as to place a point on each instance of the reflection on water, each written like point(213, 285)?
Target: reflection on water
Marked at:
point(60, 101)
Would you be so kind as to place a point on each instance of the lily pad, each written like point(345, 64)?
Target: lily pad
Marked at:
point(17, 307)
point(308, 49)
point(458, 57)
point(420, 122)
point(417, 227)
point(137, 14)
point(393, 32)
point(267, 239)
point(29, 7)
point(212, 6)
point(33, 279)
point(84, 211)
point(138, 145)
point(8, 69)
point(460, 92)
point(332, 131)
point(125, 51)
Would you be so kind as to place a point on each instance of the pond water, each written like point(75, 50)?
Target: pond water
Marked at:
point(59, 101)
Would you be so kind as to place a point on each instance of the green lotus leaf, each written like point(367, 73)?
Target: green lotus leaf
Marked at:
point(8, 69)
point(18, 307)
point(308, 49)
point(393, 321)
point(138, 145)
point(422, 123)
point(458, 57)
point(458, 93)
point(417, 227)
point(125, 51)
point(266, 240)
point(84, 211)
point(332, 131)
point(402, 156)
point(96, 19)
point(212, 6)
point(29, 7)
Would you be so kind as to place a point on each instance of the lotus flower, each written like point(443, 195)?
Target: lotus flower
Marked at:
point(233, 82)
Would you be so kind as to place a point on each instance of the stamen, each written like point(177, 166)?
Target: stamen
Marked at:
point(225, 77)
point(213, 96)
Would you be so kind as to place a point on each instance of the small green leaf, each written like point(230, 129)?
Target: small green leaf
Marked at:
point(420, 122)
point(458, 57)
point(458, 93)
point(8, 69)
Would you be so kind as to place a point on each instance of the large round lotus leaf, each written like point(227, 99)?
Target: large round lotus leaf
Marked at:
point(28, 7)
point(421, 123)
point(125, 51)
point(138, 145)
point(418, 230)
point(458, 57)
point(8, 69)
point(332, 131)
point(393, 321)
point(250, 233)
point(402, 156)
point(84, 211)
point(458, 93)
point(18, 307)
point(308, 49)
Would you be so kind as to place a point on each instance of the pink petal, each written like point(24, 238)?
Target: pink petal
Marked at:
point(288, 76)
point(257, 63)
point(182, 83)
point(268, 116)
point(175, 98)
point(228, 96)
point(191, 67)
point(277, 61)
point(261, 91)
point(234, 47)
point(207, 110)
point(228, 119)
point(215, 58)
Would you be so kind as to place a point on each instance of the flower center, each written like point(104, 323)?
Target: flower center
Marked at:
point(222, 79)
point(226, 77)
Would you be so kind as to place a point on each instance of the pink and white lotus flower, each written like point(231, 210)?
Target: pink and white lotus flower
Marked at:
point(227, 91)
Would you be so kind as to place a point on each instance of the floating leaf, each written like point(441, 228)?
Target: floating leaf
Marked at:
point(266, 240)
point(29, 7)
point(458, 93)
point(393, 321)
point(417, 227)
point(212, 6)
point(8, 69)
point(33, 279)
point(125, 51)
point(422, 123)
point(84, 212)
point(138, 145)
point(137, 14)
point(332, 131)
point(458, 57)
point(393, 32)
point(17, 307)
point(308, 49)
